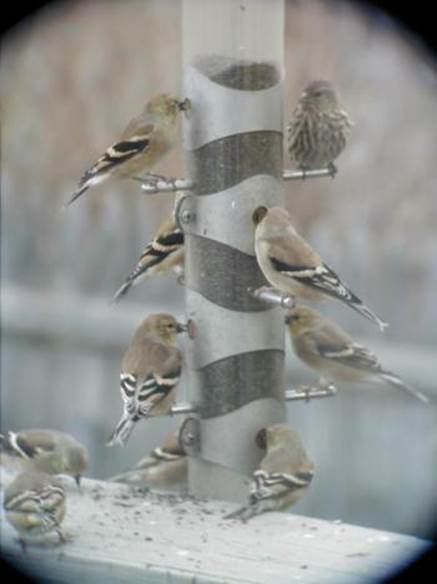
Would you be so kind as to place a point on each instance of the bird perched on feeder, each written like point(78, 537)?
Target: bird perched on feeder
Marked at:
point(283, 476)
point(290, 264)
point(146, 139)
point(163, 255)
point(48, 451)
point(150, 372)
point(318, 129)
point(165, 468)
point(327, 348)
point(35, 505)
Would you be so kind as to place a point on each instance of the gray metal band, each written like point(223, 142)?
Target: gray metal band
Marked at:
point(229, 384)
point(257, 331)
point(211, 214)
point(221, 164)
point(220, 111)
point(218, 445)
point(223, 274)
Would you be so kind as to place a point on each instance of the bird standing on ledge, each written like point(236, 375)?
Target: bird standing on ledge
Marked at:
point(48, 451)
point(35, 505)
point(164, 469)
point(284, 474)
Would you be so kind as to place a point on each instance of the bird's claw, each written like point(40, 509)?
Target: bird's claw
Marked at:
point(307, 391)
point(332, 169)
point(154, 179)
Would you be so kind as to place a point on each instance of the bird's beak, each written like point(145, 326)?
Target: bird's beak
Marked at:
point(181, 328)
point(289, 318)
point(184, 105)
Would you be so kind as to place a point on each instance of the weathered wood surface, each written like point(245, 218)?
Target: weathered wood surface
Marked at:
point(120, 535)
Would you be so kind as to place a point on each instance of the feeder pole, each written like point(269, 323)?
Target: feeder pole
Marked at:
point(233, 141)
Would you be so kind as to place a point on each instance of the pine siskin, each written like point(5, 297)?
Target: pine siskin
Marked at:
point(165, 468)
point(284, 474)
point(327, 348)
point(319, 127)
point(150, 371)
point(291, 265)
point(146, 139)
point(162, 255)
point(47, 451)
point(35, 505)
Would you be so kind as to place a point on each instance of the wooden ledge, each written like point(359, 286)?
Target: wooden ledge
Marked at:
point(123, 535)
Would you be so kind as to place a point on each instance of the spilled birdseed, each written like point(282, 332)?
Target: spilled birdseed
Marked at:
point(239, 74)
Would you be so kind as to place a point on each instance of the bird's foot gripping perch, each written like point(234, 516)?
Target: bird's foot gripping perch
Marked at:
point(154, 183)
point(308, 392)
point(332, 169)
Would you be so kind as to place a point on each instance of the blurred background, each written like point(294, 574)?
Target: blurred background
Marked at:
point(71, 77)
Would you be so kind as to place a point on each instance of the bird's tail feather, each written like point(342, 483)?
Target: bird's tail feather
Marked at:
point(399, 384)
point(8, 445)
point(134, 278)
point(122, 431)
point(369, 314)
point(77, 194)
point(122, 291)
point(243, 513)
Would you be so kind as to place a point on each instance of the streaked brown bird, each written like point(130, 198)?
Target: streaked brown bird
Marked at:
point(35, 505)
point(150, 372)
point(318, 129)
point(146, 139)
point(163, 255)
point(326, 347)
point(283, 476)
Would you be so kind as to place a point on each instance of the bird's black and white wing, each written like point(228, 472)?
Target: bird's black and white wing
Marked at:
point(155, 253)
point(323, 279)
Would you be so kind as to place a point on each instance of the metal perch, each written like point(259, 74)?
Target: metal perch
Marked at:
point(273, 296)
point(183, 408)
point(152, 187)
point(304, 174)
point(309, 393)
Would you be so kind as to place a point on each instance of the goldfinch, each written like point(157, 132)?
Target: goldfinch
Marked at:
point(283, 476)
point(290, 264)
point(150, 372)
point(35, 505)
point(146, 139)
point(165, 468)
point(48, 451)
point(327, 348)
point(163, 255)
